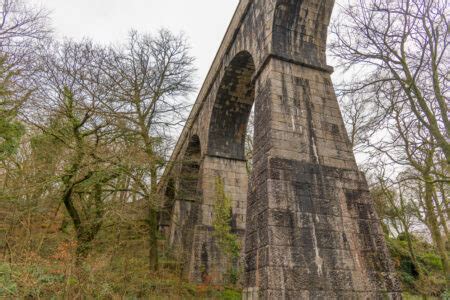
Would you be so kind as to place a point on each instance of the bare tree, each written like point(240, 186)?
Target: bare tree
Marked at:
point(397, 102)
point(20, 27)
point(150, 77)
point(392, 203)
point(401, 142)
point(65, 107)
point(360, 117)
point(400, 45)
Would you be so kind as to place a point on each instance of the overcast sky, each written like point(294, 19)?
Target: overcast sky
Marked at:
point(204, 22)
point(107, 21)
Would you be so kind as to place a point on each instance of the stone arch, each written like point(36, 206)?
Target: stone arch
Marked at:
point(189, 189)
point(231, 111)
point(309, 224)
point(225, 160)
point(167, 209)
point(188, 197)
point(300, 30)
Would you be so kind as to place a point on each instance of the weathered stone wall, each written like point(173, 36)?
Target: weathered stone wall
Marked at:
point(219, 120)
point(311, 231)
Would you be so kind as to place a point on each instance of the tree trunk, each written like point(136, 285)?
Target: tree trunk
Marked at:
point(434, 225)
point(83, 247)
point(442, 219)
point(444, 200)
point(412, 252)
point(153, 222)
point(402, 218)
point(85, 232)
point(153, 239)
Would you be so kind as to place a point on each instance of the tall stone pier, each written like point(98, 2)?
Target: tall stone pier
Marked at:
point(304, 214)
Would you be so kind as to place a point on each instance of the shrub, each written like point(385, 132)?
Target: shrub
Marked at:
point(7, 285)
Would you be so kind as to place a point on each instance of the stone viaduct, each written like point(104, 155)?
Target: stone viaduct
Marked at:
point(305, 212)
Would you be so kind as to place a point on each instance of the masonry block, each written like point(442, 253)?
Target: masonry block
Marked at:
point(303, 211)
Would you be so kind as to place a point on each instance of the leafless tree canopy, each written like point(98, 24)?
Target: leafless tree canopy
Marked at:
point(21, 27)
point(150, 77)
point(395, 95)
point(103, 118)
point(399, 47)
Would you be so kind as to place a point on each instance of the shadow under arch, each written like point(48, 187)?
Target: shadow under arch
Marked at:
point(232, 108)
point(225, 162)
point(189, 189)
point(166, 212)
point(188, 200)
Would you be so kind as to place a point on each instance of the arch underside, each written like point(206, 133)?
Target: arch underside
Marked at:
point(187, 202)
point(231, 112)
point(300, 30)
point(224, 163)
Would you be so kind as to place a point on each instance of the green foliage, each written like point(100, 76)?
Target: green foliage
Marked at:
point(11, 130)
point(432, 260)
point(111, 272)
point(7, 285)
point(231, 295)
point(32, 280)
point(408, 296)
point(10, 134)
point(226, 240)
point(46, 147)
point(432, 282)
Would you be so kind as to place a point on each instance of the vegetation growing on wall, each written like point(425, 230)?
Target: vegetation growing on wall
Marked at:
point(226, 240)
